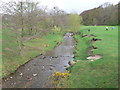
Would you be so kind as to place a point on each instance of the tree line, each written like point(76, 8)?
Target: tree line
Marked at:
point(105, 14)
point(29, 19)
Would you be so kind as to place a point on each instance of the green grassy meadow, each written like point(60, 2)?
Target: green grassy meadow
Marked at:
point(11, 58)
point(101, 73)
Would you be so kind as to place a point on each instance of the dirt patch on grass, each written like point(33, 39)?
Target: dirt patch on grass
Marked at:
point(84, 35)
point(90, 35)
point(90, 50)
point(95, 57)
point(94, 40)
point(93, 47)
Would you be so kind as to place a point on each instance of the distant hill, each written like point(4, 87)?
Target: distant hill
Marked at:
point(106, 14)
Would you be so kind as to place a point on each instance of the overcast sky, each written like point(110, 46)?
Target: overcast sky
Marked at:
point(77, 6)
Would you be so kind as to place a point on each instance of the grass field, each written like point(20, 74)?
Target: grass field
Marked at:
point(101, 73)
point(11, 57)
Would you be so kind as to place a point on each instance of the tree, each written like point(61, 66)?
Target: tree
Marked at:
point(106, 14)
point(75, 22)
point(23, 15)
point(60, 18)
point(16, 11)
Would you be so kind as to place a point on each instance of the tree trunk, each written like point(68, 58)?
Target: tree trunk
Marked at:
point(21, 37)
point(22, 49)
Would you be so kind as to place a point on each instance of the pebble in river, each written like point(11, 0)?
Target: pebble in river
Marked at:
point(11, 77)
point(13, 83)
point(21, 74)
point(29, 78)
point(34, 74)
point(65, 65)
point(34, 64)
point(51, 68)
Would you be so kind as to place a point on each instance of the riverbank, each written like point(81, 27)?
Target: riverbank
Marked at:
point(99, 73)
point(12, 60)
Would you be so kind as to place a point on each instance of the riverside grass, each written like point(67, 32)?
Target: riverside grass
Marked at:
point(11, 59)
point(101, 73)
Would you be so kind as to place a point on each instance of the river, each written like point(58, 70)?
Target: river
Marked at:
point(34, 74)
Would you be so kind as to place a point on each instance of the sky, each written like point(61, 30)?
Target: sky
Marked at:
point(77, 6)
point(74, 6)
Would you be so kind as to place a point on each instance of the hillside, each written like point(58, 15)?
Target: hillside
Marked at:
point(106, 14)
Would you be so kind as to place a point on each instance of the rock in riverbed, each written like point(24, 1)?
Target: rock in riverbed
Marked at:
point(65, 65)
point(51, 68)
point(11, 77)
point(34, 74)
point(72, 63)
point(21, 74)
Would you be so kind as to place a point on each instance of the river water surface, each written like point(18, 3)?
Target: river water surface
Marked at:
point(35, 73)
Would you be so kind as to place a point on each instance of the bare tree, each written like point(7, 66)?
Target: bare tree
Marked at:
point(60, 18)
point(17, 11)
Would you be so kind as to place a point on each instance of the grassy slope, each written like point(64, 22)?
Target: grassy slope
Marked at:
point(11, 58)
point(102, 73)
point(81, 47)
